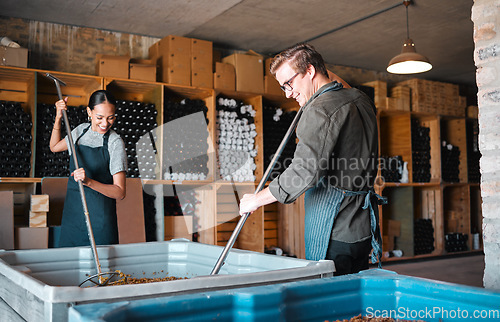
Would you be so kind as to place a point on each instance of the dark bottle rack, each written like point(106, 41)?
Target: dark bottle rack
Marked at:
point(421, 151)
point(133, 121)
point(450, 162)
point(185, 147)
point(423, 236)
point(391, 168)
point(275, 128)
point(15, 140)
point(48, 163)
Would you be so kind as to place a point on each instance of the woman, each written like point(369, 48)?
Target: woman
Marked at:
point(103, 162)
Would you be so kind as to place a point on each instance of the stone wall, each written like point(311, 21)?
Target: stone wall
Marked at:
point(68, 48)
point(486, 18)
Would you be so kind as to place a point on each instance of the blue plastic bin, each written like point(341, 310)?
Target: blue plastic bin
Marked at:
point(375, 292)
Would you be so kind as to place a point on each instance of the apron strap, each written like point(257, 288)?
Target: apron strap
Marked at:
point(374, 220)
point(375, 227)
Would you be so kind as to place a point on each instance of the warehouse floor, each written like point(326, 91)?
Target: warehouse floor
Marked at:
point(466, 269)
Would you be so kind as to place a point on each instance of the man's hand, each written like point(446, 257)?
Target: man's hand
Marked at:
point(251, 202)
point(248, 204)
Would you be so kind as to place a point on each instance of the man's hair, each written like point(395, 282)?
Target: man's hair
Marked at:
point(299, 56)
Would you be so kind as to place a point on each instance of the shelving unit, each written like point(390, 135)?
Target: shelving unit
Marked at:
point(452, 207)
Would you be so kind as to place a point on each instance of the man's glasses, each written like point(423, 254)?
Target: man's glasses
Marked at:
point(287, 86)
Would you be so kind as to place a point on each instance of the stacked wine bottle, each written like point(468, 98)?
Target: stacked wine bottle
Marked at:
point(134, 120)
point(185, 140)
point(456, 242)
point(236, 143)
point(450, 162)
point(49, 164)
point(423, 236)
point(391, 168)
point(276, 124)
point(473, 154)
point(15, 140)
point(421, 152)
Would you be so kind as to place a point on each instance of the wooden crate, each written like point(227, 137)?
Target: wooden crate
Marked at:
point(251, 236)
point(18, 85)
point(456, 210)
point(434, 97)
point(395, 137)
point(400, 95)
point(432, 122)
point(380, 97)
point(271, 224)
point(453, 131)
point(178, 227)
point(428, 205)
point(399, 208)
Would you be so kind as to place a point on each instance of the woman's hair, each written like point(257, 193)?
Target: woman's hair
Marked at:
point(101, 96)
point(299, 56)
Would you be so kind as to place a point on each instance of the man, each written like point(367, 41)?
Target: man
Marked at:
point(335, 163)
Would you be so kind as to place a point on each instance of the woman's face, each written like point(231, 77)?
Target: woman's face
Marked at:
point(102, 117)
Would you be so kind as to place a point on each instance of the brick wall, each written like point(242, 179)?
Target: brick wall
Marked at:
point(486, 18)
point(68, 48)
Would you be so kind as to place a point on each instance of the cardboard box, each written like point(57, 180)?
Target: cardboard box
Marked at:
point(112, 66)
point(249, 70)
point(224, 77)
point(472, 111)
point(380, 93)
point(173, 56)
point(32, 238)
point(6, 220)
point(17, 57)
point(267, 67)
point(272, 86)
point(142, 69)
point(38, 219)
point(178, 227)
point(201, 63)
point(39, 203)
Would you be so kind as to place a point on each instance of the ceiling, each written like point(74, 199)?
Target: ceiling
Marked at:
point(364, 34)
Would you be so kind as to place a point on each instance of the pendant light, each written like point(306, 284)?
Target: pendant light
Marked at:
point(409, 61)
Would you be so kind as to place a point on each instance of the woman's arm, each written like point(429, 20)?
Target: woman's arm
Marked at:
point(58, 144)
point(116, 190)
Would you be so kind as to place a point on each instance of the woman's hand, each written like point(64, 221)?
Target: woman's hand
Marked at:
point(79, 174)
point(60, 106)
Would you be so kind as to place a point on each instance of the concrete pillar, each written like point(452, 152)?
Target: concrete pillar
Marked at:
point(486, 19)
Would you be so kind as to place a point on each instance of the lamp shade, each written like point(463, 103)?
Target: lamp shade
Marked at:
point(409, 61)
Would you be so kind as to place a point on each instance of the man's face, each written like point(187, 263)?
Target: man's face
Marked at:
point(301, 84)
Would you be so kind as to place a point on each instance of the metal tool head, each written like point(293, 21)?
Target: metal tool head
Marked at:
point(55, 79)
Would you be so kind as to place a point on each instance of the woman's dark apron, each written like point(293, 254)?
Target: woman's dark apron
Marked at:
point(102, 209)
point(322, 204)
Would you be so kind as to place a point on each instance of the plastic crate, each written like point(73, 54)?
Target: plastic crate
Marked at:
point(40, 285)
point(370, 293)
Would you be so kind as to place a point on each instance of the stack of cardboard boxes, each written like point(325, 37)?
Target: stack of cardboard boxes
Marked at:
point(37, 234)
point(190, 62)
point(183, 61)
